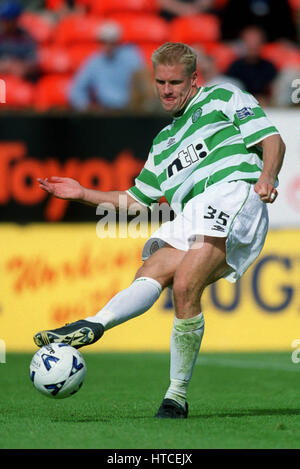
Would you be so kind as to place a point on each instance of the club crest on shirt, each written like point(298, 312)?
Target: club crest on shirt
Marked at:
point(196, 115)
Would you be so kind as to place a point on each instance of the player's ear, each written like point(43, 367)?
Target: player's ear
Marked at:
point(194, 78)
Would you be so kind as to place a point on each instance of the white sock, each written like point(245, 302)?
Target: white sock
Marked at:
point(186, 339)
point(129, 303)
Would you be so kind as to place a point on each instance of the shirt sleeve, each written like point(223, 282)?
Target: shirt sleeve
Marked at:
point(247, 115)
point(146, 189)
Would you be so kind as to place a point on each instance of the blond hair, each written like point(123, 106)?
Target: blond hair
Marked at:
point(172, 53)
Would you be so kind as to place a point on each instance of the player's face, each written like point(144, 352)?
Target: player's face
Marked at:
point(174, 87)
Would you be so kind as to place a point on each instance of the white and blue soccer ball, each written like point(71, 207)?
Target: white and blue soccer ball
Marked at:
point(57, 370)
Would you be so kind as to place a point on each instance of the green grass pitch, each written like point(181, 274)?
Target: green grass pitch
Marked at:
point(236, 401)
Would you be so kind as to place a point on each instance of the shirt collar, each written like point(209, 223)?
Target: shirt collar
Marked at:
point(189, 104)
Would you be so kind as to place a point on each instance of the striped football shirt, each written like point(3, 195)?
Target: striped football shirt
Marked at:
point(214, 140)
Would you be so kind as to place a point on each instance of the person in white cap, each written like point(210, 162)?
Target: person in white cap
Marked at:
point(105, 79)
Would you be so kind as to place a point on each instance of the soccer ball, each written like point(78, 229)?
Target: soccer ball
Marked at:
point(57, 370)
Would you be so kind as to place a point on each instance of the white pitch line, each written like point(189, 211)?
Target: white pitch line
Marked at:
point(235, 363)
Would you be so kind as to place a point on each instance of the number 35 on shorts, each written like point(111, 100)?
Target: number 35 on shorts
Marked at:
point(219, 218)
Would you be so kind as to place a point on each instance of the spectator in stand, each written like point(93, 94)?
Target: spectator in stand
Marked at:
point(105, 81)
point(273, 16)
point(256, 73)
point(170, 9)
point(17, 47)
point(209, 73)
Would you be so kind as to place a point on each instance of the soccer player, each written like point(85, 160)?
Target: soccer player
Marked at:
point(217, 165)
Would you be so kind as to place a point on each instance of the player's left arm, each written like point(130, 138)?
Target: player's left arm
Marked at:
point(273, 154)
point(256, 129)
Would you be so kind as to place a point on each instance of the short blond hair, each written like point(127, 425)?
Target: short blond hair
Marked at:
point(172, 53)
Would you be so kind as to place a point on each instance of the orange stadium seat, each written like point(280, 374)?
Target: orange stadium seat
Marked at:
point(197, 28)
point(54, 4)
point(19, 93)
point(294, 4)
point(58, 4)
point(219, 4)
point(78, 28)
point(58, 59)
point(54, 59)
point(142, 28)
point(281, 55)
point(51, 92)
point(223, 54)
point(105, 7)
point(146, 50)
point(40, 27)
point(78, 53)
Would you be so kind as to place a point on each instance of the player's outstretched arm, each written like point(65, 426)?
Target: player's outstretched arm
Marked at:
point(70, 189)
point(273, 153)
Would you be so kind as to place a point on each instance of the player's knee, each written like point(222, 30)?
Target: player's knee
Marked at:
point(183, 290)
point(146, 269)
point(186, 293)
point(152, 269)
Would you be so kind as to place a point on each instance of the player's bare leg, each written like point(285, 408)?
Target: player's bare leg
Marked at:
point(198, 268)
point(190, 273)
point(162, 265)
point(155, 274)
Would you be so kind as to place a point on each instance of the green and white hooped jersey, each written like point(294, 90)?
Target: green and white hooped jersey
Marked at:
point(214, 140)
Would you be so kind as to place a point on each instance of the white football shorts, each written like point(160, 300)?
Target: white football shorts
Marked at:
point(229, 209)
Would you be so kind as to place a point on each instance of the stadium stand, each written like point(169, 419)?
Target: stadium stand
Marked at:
point(58, 59)
point(64, 42)
point(55, 5)
point(198, 28)
point(281, 55)
point(54, 59)
point(142, 28)
point(294, 4)
point(19, 93)
point(107, 7)
point(39, 26)
point(77, 28)
point(223, 54)
point(51, 92)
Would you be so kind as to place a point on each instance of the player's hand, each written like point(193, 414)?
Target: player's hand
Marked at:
point(62, 188)
point(266, 191)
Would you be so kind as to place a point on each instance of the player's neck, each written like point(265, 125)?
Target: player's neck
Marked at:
point(182, 110)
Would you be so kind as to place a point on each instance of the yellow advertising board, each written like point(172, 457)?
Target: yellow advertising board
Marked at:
point(53, 274)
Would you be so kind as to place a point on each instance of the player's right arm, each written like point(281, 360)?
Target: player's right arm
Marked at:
point(144, 193)
point(70, 189)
